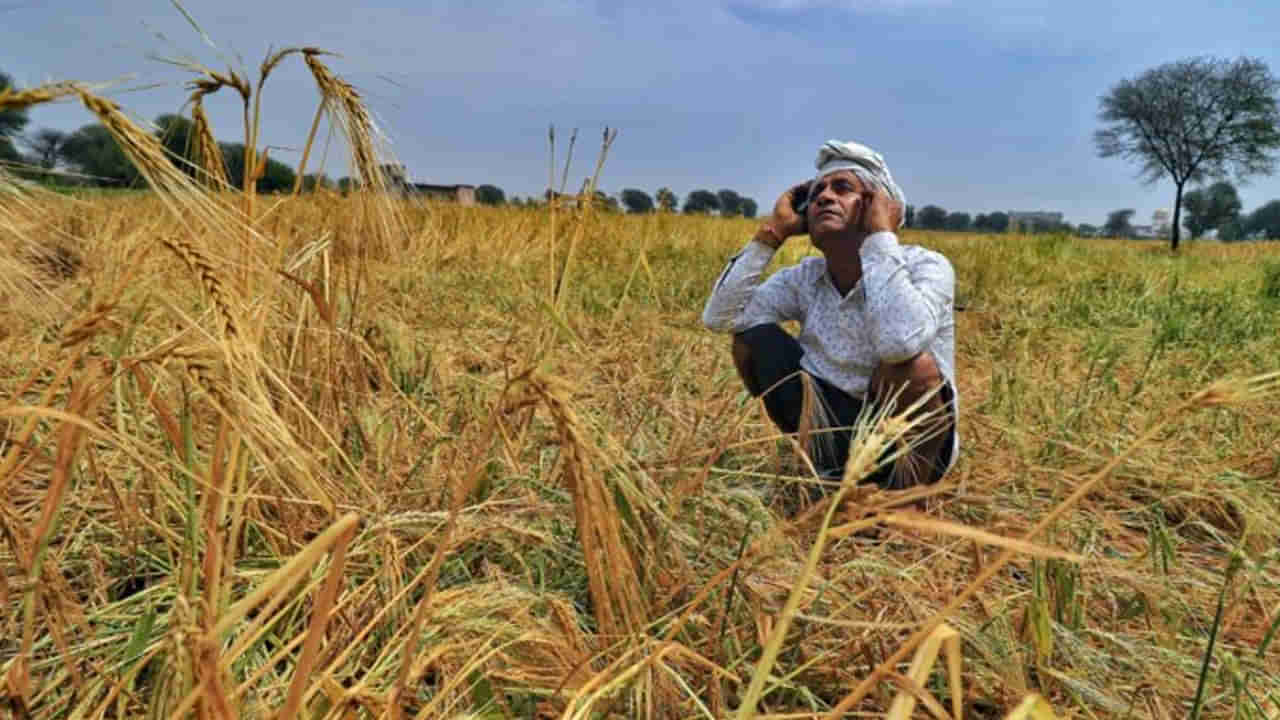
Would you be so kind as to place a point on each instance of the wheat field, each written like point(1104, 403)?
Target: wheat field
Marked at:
point(334, 456)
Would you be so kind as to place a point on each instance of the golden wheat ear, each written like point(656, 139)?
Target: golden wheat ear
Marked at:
point(208, 155)
point(11, 99)
point(348, 109)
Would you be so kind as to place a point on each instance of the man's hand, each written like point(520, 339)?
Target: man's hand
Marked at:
point(880, 212)
point(785, 221)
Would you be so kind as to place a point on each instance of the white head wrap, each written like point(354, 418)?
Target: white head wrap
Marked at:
point(865, 163)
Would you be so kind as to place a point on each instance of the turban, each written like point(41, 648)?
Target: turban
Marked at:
point(867, 164)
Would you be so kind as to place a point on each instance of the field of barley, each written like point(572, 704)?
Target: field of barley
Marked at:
point(334, 456)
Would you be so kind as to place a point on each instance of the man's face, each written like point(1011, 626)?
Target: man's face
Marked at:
point(835, 207)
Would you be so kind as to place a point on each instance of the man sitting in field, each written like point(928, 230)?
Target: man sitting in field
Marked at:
point(875, 316)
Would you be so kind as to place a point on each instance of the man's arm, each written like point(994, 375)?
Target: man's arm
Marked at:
point(906, 305)
point(739, 300)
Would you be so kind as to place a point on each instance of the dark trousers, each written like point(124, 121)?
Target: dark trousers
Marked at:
point(775, 373)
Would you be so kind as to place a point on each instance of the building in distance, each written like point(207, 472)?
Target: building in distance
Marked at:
point(462, 194)
point(397, 178)
point(1032, 221)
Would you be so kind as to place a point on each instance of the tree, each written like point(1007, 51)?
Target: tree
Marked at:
point(932, 217)
point(1193, 119)
point(1086, 230)
point(175, 133)
point(909, 216)
point(730, 203)
point(701, 201)
point(47, 144)
point(636, 201)
point(605, 202)
point(1040, 226)
point(12, 121)
point(1117, 224)
point(749, 208)
point(93, 151)
point(9, 153)
point(1210, 208)
point(1265, 221)
point(313, 181)
point(490, 195)
point(1234, 230)
point(996, 222)
point(958, 221)
point(667, 200)
point(276, 176)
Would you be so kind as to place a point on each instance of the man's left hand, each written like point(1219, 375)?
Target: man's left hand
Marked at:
point(880, 212)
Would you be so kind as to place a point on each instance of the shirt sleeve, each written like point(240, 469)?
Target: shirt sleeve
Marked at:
point(740, 301)
point(907, 304)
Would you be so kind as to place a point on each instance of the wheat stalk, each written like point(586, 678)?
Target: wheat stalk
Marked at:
point(1221, 393)
point(611, 569)
point(147, 154)
point(11, 99)
point(346, 104)
point(254, 168)
point(143, 150)
point(208, 154)
point(210, 280)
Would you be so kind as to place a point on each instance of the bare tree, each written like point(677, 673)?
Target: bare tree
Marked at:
point(1194, 119)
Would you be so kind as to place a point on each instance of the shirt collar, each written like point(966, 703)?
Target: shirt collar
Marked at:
point(856, 293)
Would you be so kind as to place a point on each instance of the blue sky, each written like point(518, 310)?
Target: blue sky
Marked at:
point(976, 106)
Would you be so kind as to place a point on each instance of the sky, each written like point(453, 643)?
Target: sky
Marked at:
point(976, 106)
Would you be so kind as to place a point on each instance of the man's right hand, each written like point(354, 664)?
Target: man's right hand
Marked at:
point(785, 221)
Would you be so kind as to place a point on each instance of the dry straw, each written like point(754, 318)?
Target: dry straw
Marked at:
point(13, 99)
point(375, 509)
point(347, 107)
point(610, 565)
point(1221, 393)
point(208, 155)
point(379, 217)
point(143, 149)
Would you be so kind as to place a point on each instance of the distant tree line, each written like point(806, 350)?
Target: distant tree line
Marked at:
point(93, 158)
point(1214, 208)
point(725, 203)
point(933, 217)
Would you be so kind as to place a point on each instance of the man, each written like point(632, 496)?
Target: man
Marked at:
point(877, 329)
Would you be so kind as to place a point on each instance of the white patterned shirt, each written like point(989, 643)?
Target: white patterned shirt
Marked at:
point(902, 306)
